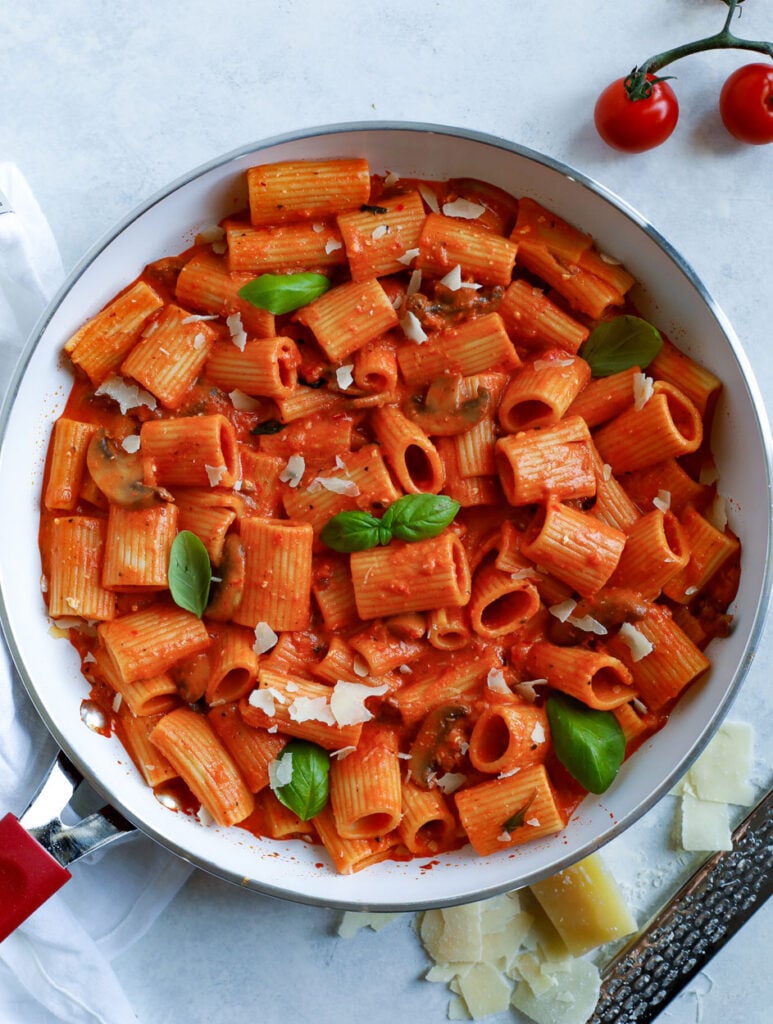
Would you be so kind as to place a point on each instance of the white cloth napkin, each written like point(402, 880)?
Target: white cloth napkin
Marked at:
point(56, 966)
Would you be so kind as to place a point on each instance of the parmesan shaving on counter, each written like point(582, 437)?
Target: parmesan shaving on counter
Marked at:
point(523, 950)
point(718, 779)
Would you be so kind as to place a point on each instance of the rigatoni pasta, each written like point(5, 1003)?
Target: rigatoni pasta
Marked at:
point(438, 353)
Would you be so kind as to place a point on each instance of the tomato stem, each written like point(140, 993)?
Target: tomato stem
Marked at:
point(639, 83)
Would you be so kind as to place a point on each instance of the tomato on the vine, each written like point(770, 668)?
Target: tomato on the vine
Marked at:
point(634, 125)
point(746, 104)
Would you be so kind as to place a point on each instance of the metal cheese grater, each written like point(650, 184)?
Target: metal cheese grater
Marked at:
point(680, 940)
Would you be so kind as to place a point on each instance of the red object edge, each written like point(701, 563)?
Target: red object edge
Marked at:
point(28, 875)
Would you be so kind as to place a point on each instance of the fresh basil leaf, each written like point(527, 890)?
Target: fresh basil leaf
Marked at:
point(419, 516)
point(619, 344)
point(190, 573)
point(518, 819)
point(306, 794)
point(589, 744)
point(353, 531)
point(282, 293)
point(268, 427)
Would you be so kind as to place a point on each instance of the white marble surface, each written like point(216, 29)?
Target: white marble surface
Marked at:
point(105, 102)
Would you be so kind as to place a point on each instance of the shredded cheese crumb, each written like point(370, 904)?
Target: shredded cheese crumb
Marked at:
point(242, 402)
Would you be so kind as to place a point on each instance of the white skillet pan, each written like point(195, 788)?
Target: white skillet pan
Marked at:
point(669, 295)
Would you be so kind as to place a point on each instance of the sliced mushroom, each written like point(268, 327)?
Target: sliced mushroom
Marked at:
point(119, 474)
point(446, 409)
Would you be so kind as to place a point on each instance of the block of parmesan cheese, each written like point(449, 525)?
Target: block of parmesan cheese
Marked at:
point(585, 905)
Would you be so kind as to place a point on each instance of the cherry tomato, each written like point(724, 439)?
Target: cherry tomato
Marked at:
point(636, 125)
point(746, 104)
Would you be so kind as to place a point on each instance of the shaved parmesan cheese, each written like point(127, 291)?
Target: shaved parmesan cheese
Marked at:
point(263, 700)
point(588, 624)
point(379, 232)
point(280, 771)
point(450, 782)
point(194, 318)
point(485, 990)
point(526, 688)
point(709, 475)
point(215, 474)
point(311, 709)
point(717, 513)
point(721, 772)
point(332, 245)
point(563, 610)
point(236, 330)
point(293, 472)
point(265, 638)
point(570, 1001)
point(131, 444)
point(360, 666)
point(336, 484)
point(453, 279)
point(117, 701)
point(663, 501)
point(538, 734)
point(317, 228)
point(636, 641)
point(128, 396)
point(705, 825)
point(347, 702)
point(412, 328)
point(495, 681)
point(204, 817)
point(414, 283)
point(343, 752)
point(606, 471)
point(199, 341)
point(429, 198)
point(408, 256)
point(344, 376)
point(463, 208)
point(211, 234)
point(642, 390)
point(242, 402)
point(353, 920)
